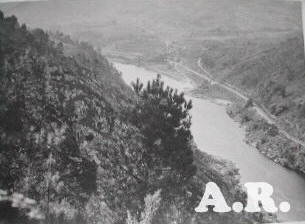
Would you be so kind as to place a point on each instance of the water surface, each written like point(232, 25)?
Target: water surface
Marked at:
point(216, 133)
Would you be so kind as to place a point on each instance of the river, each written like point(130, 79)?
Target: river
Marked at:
point(217, 134)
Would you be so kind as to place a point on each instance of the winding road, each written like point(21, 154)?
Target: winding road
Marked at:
point(266, 116)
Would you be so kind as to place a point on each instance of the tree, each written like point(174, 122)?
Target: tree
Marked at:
point(137, 86)
point(148, 152)
point(152, 204)
point(162, 115)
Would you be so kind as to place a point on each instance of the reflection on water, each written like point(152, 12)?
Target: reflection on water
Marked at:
point(216, 133)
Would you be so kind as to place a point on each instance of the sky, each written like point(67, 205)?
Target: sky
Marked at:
point(1, 1)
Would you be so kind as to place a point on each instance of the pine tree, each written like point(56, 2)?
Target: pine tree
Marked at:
point(162, 115)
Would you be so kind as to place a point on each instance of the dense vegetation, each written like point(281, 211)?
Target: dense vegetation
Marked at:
point(274, 79)
point(256, 47)
point(78, 146)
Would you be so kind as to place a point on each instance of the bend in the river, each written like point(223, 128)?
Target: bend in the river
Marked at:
point(216, 133)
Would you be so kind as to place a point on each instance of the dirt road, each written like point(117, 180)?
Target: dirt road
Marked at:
point(265, 115)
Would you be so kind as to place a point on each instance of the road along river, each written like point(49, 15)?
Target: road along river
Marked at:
point(216, 133)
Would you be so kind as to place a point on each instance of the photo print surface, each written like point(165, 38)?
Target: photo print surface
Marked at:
point(152, 112)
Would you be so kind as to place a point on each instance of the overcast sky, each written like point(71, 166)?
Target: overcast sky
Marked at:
point(17, 0)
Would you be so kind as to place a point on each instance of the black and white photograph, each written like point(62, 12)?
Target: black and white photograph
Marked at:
point(152, 112)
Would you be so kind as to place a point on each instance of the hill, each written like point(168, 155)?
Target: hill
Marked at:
point(69, 152)
point(145, 29)
point(272, 77)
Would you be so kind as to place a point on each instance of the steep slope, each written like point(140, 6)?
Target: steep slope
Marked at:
point(51, 106)
point(272, 74)
point(67, 143)
point(274, 79)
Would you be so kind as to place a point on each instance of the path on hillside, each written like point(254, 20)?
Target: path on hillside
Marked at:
point(265, 115)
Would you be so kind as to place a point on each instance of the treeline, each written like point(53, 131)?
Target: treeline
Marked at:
point(78, 146)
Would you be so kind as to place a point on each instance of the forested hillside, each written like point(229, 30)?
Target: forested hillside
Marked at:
point(273, 77)
point(78, 146)
point(51, 107)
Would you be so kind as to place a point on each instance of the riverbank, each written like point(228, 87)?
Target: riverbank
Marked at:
point(219, 135)
point(267, 139)
point(260, 132)
point(211, 165)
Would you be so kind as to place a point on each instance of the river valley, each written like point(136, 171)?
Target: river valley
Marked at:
point(217, 134)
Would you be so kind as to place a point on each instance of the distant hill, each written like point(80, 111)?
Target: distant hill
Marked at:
point(272, 75)
point(145, 27)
